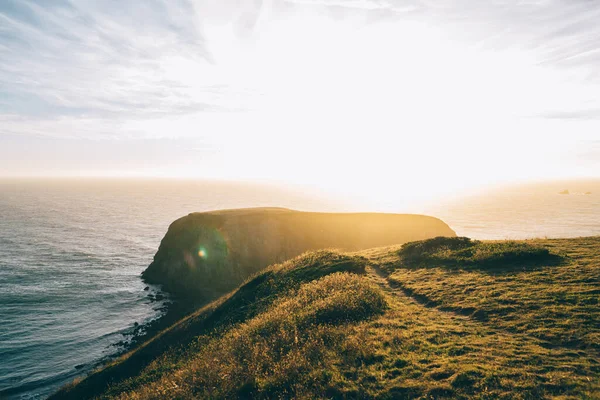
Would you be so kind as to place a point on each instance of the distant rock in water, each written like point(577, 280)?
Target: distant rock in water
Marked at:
point(588, 192)
point(204, 255)
point(564, 192)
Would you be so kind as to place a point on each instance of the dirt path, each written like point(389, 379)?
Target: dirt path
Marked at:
point(429, 309)
point(377, 276)
point(447, 341)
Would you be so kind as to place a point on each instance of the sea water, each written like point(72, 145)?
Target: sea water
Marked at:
point(525, 211)
point(71, 254)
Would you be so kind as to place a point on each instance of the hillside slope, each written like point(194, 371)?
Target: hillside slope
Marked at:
point(442, 318)
point(204, 255)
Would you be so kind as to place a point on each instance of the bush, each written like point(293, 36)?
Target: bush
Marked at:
point(463, 252)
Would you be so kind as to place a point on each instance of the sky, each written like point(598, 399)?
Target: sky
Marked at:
point(377, 96)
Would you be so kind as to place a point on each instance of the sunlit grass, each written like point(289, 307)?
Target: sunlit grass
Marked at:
point(557, 303)
point(329, 325)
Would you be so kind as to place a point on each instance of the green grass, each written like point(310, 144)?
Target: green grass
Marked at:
point(285, 350)
point(429, 320)
point(556, 303)
point(464, 253)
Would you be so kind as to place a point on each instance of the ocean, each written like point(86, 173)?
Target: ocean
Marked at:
point(71, 254)
point(524, 211)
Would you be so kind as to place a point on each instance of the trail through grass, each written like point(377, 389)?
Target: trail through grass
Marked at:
point(425, 321)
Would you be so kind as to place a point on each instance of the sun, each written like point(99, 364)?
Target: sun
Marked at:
point(392, 114)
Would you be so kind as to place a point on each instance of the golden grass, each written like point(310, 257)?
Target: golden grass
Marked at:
point(369, 326)
point(285, 350)
point(556, 303)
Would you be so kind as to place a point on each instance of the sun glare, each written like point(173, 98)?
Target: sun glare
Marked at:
point(390, 111)
point(202, 253)
point(388, 108)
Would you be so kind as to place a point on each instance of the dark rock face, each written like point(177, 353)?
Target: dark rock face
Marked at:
point(205, 255)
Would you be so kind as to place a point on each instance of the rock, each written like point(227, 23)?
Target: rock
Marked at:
point(564, 192)
point(147, 288)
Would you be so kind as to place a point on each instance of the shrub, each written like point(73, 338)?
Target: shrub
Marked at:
point(466, 253)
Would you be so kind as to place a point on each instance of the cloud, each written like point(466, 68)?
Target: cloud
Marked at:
point(560, 32)
point(234, 73)
point(584, 114)
point(105, 59)
point(154, 57)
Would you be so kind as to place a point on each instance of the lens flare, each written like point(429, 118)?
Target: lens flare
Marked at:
point(202, 253)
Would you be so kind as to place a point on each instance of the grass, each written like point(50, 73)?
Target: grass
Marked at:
point(285, 350)
point(255, 297)
point(556, 302)
point(429, 320)
point(464, 253)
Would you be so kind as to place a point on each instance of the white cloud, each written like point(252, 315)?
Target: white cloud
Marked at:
point(252, 79)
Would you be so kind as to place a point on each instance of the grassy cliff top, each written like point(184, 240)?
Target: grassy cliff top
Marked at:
point(443, 318)
point(205, 255)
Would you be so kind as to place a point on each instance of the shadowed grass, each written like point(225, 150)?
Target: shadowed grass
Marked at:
point(465, 253)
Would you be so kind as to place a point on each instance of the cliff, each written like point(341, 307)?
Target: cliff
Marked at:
point(443, 318)
point(204, 255)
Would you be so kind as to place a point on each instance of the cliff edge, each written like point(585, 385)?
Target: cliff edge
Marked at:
point(204, 255)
